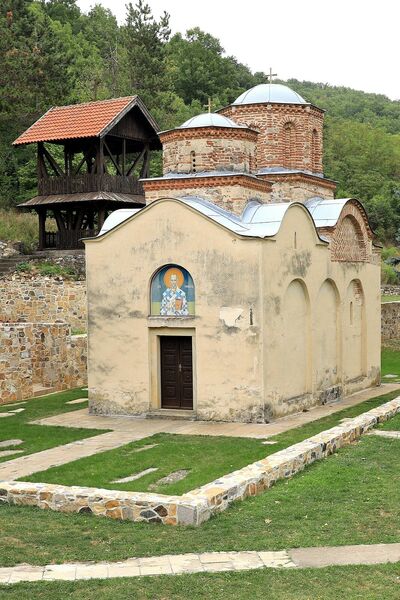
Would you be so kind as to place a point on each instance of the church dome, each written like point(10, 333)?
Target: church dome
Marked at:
point(209, 120)
point(270, 92)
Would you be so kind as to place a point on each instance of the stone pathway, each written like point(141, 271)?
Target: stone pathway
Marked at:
point(207, 562)
point(130, 429)
point(146, 427)
point(60, 455)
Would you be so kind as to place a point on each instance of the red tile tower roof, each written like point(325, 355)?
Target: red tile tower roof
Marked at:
point(80, 120)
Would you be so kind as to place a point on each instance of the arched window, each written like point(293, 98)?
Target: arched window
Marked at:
point(172, 292)
point(315, 162)
point(289, 145)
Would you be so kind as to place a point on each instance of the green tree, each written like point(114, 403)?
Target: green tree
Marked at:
point(144, 39)
point(199, 70)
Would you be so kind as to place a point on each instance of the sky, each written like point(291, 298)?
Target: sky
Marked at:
point(353, 43)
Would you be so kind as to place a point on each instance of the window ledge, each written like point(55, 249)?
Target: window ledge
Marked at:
point(155, 321)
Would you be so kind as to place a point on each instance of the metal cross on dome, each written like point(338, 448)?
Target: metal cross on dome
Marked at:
point(208, 105)
point(270, 75)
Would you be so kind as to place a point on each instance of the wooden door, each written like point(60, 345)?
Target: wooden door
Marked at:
point(176, 372)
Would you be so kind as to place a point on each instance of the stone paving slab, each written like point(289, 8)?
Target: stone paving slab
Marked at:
point(8, 443)
point(388, 434)
point(77, 401)
point(207, 562)
point(4, 453)
point(346, 555)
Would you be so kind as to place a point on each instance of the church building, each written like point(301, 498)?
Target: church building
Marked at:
point(243, 290)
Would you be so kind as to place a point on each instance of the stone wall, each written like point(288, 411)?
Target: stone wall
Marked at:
point(390, 290)
point(391, 321)
point(39, 353)
point(197, 506)
point(43, 300)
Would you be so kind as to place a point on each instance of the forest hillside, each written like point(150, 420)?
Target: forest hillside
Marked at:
point(53, 54)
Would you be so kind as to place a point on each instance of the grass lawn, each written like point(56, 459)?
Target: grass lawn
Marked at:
point(352, 497)
point(393, 298)
point(333, 583)
point(38, 437)
point(206, 458)
point(392, 425)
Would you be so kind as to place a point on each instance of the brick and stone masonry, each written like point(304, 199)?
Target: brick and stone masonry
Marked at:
point(43, 300)
point(209, 149)
point(391, 321)
point(39, 353)
point(290, 135)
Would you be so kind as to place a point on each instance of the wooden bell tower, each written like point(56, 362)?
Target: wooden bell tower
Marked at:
point(90, 158)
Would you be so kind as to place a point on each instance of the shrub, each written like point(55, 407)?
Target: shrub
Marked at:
point(24, 267)
point(390, 252)
point(389, 274)
point(46, 268)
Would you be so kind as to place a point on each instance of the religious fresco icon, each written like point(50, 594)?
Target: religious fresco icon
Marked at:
point(172, 292)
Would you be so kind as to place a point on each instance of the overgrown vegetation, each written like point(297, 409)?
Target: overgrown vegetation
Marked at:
point(52, 53)
point(46, 268)
point(20, 227)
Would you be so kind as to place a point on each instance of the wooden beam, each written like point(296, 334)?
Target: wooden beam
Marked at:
point(42, 213)
point(101, 217)
point(135, 162)
point(52, 162)
point(87, 156)
point(123, 156)
point(41, 165)
point(111, 156)
point(59, 219)
point(144, 172)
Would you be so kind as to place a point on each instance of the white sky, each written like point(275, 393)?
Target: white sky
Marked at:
point(354, 43)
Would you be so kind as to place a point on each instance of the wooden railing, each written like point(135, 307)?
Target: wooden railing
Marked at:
point(89, 182)
point(68, 239)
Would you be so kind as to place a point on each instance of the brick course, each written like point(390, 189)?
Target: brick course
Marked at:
point(229, 192)
point(209, 149)
point(280, 126)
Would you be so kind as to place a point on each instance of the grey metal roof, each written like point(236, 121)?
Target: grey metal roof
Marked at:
point(258, 220)
point(326, 213)
point(210, 120)
point(270, 92)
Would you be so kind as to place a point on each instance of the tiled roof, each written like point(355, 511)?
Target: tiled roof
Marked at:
point(76, 121)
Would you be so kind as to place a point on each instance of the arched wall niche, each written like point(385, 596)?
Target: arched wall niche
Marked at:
point(295, 376)
point(355, 334)
point(327, 336)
